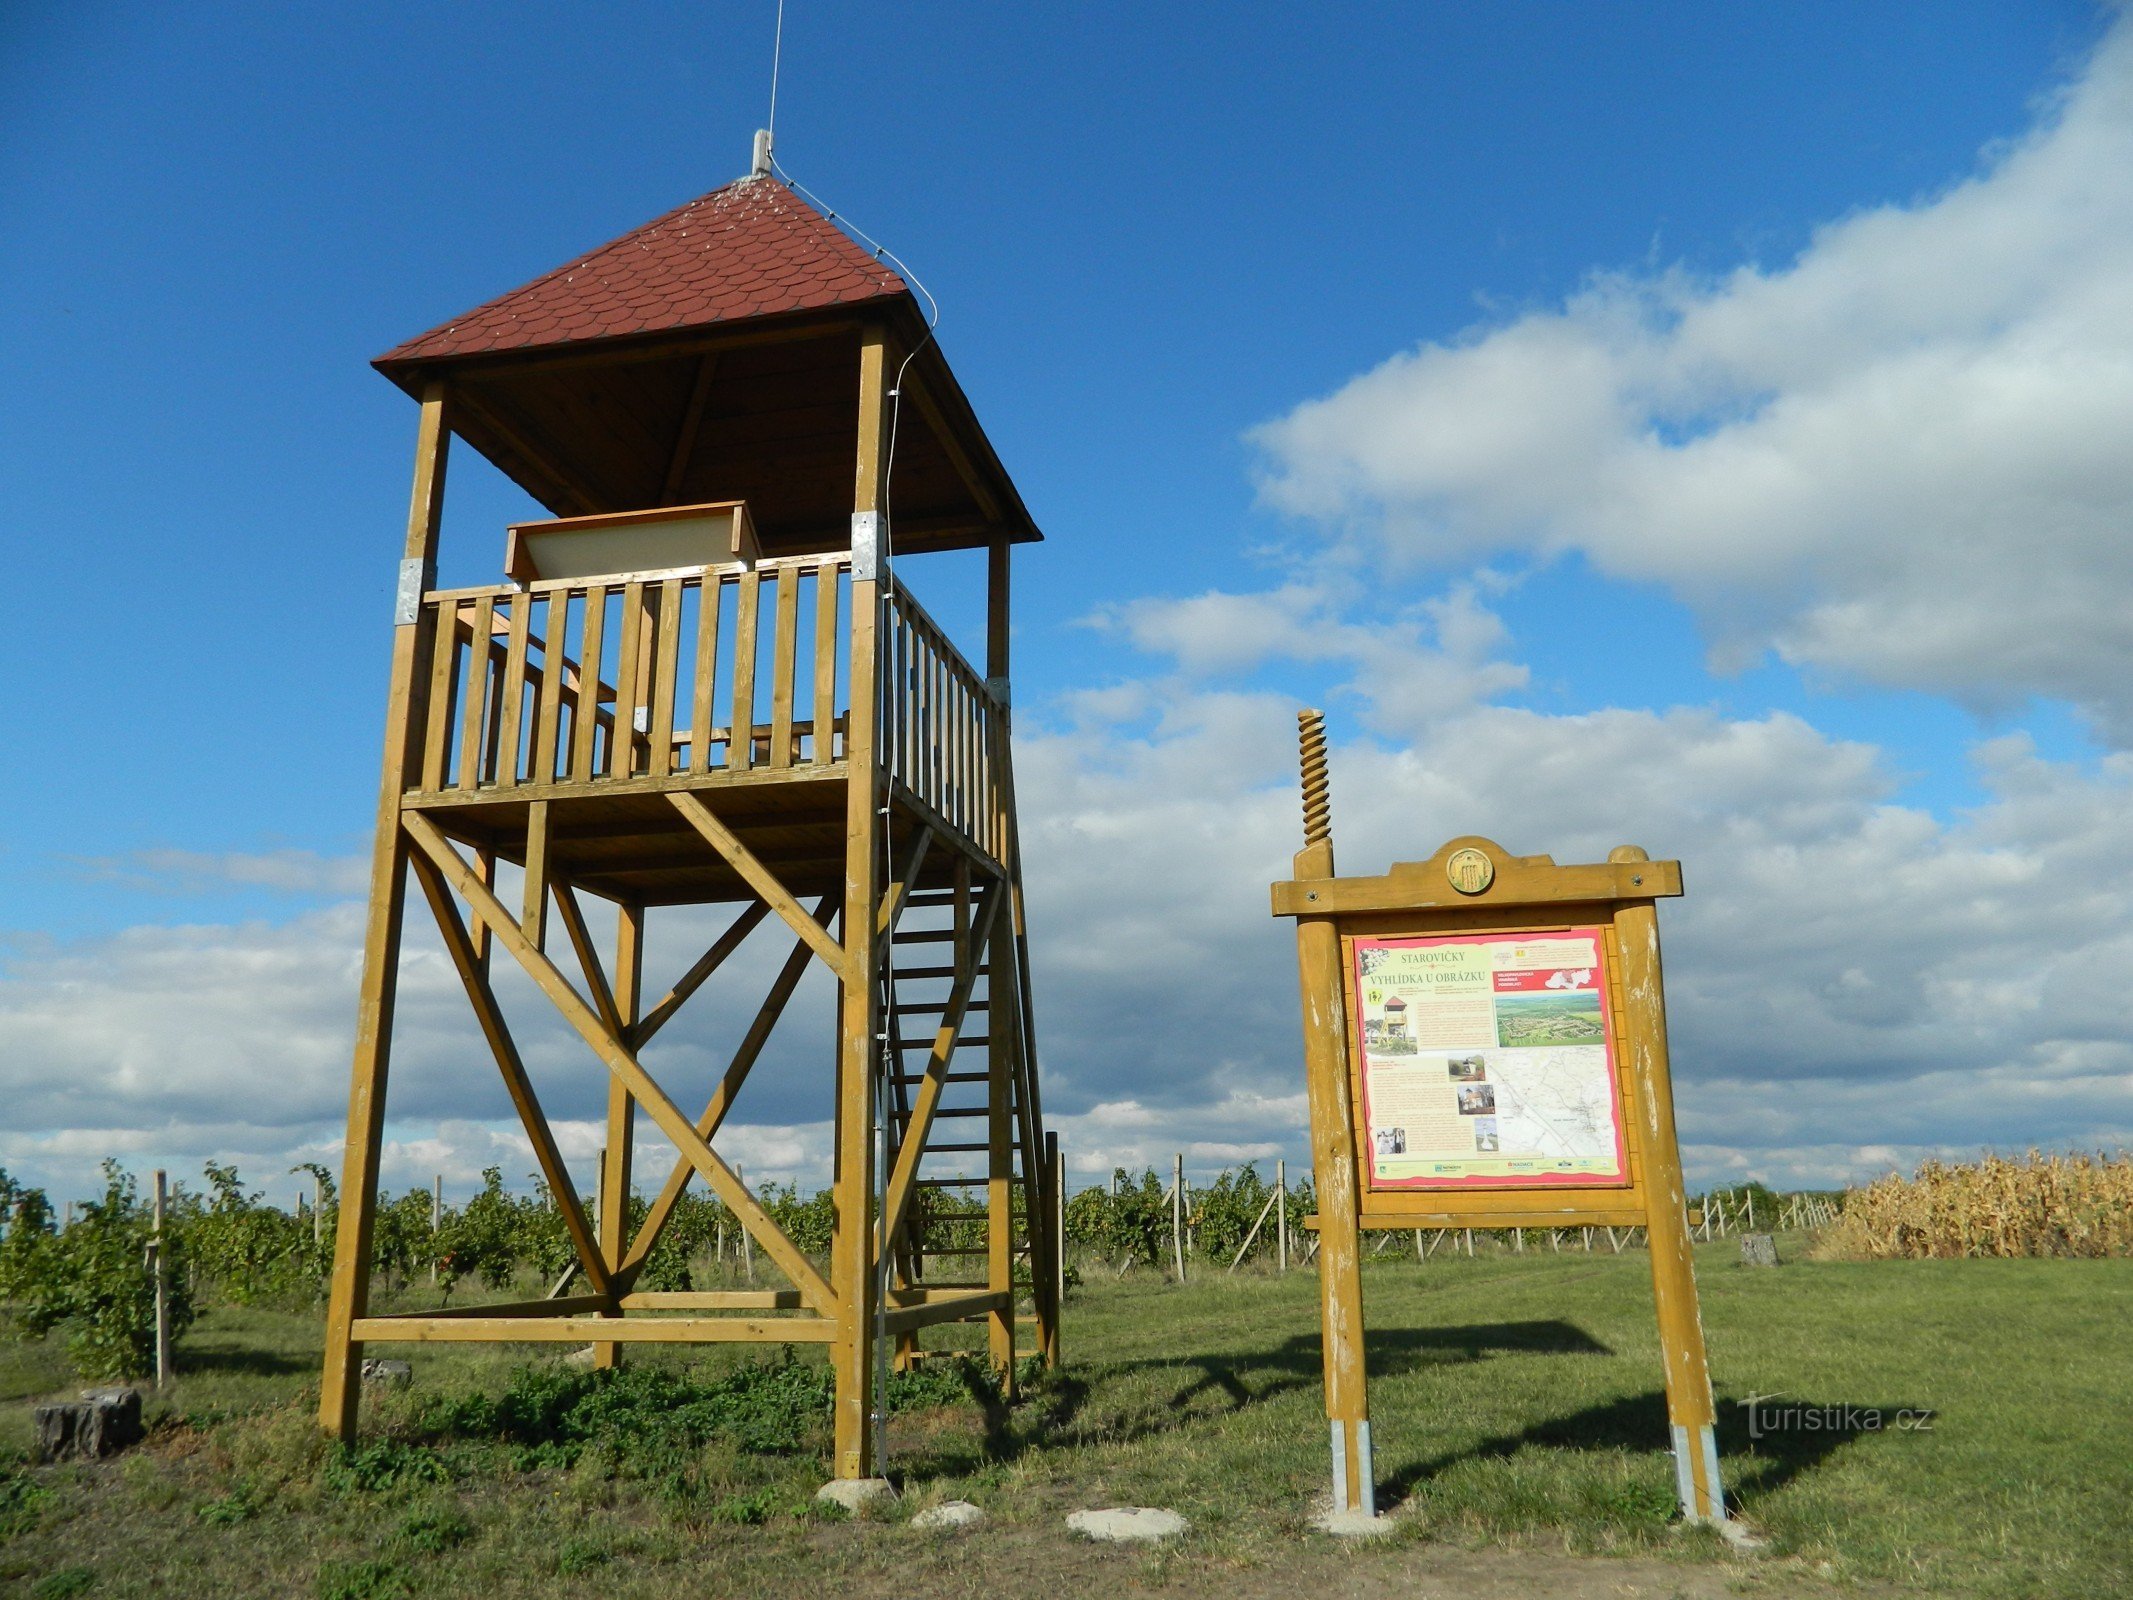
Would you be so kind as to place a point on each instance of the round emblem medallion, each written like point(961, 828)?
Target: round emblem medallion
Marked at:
point(1470, 870)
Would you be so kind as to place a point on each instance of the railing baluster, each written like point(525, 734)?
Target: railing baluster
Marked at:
point(740, 745)
point(825, 717)
point(629, 685)
point(444, 681)
point(585, 715)
point(511, 701)
point(706, 672)
point(548, 721)
point(784, 665)
point(475, 704)
point(666, 663)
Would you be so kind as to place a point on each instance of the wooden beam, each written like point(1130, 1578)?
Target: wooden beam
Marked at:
point(617, 352)
point(616, 1154)
point(537, 455)
point(758, 877)
point(561, 1306)
point(533, 922)
point(692, 980)
point(566, 902)
point(952, 1308)
point(584, 1330)
point(712, 1300)
point(852, 1261)
point(988, 503)
point(894, 896)
point(707, 1126)
point(692, 421)
point(491, 1016)
point(620, 1060)
point(405, 720)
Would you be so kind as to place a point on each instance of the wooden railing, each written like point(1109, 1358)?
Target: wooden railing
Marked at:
point(697, 670)
point(940, 724)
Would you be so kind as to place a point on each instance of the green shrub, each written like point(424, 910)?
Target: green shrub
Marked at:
point(94, 1279)
point(382, 1466)
point(364, 1580)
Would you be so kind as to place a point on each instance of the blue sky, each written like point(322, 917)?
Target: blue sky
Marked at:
point(1275, 301)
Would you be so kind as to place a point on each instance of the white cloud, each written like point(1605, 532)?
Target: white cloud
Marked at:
point(1901, 456)
point(286, 871)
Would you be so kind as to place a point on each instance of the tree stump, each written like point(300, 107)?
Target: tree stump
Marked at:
point(101, 1423)
point(1758, 1250)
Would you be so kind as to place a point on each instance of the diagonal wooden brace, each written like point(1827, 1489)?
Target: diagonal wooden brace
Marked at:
point(761, 879)
point(892, 900)
point(621, 1061)
point(460, 947)
point(692, 980)
point(707, 1125)
point(581, 940)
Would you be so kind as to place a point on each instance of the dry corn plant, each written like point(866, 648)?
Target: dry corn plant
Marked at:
point(2039, 1205)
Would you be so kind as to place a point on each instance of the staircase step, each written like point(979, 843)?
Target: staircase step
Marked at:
point(920, 974)
point(946, 1077)
point(933, 1149)
point(935, 1008)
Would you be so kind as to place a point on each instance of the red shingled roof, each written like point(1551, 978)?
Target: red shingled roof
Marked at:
point(750, 249)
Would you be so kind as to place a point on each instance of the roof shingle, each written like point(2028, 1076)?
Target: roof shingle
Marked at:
point(750, 249)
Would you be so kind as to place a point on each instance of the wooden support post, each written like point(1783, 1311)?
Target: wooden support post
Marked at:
point(1340, 1276)
point(349, 1300)
point(621, 1111)
point(533, 920)
point(747, 1247)
point(1000, 1051)
point(1055, 1164)
point(853, 1277)
point(1177, 1215)
point(162, 1271)
point(1690, 1411)
point(1281, 1216)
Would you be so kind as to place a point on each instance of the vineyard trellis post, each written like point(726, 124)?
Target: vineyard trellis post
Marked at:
point(1281, 1216)
point(1177, 1214)
point(158, 1256)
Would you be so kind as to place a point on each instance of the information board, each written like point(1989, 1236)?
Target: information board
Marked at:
point(1488, 1060)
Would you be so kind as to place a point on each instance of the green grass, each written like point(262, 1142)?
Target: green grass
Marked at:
point(1516, 1403)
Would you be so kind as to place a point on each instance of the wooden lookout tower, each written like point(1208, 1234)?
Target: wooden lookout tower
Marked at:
point(705, 682)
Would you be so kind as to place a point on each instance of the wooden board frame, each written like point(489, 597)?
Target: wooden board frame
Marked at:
point(1517, 894)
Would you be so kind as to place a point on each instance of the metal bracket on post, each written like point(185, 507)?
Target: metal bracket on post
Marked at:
point(997, 688)
point(417, 578)
point(866, 546)
point(1353, 1497)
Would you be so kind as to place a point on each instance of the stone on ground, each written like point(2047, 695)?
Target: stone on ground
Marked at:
point(101, 1423)
point(1758, 1250)
point(1739, 1536)
point(951, 1516)
point(388, 1374)
point(1127, 1524)
point(857, 1495)
point(1351, 1524)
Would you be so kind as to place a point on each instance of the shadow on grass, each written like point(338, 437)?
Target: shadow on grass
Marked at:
point(1222, 1384)
point(200, 1359)
point(1637, 1424)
